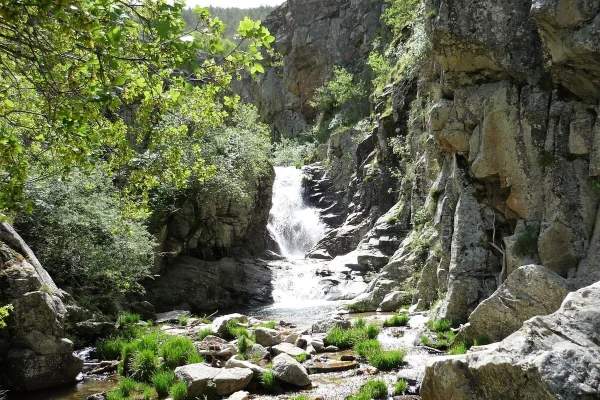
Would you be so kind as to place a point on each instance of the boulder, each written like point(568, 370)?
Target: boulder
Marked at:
point(529, 291)
point(287, 348)
point(35, 355)
point(550, 357)
point(219, 325)
point(325, 325)
point(92, 330)
point(200, 378)
point(233, 362)
point(171, 316)
point(241, 395)
point(145, 309)
point(260, 351)
point(267, 337)
point(395, 299)
point(289, 370)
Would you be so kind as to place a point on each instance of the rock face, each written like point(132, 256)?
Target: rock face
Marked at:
point(550, 357)
point(210, 285)
point(312, 36)
point(289, 370)
point(34, 351)
point(529, 291)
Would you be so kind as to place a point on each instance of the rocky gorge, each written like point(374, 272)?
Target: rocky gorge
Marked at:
point(466, 199)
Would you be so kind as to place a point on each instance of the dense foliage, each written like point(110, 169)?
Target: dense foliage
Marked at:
point(231, 17)
point(88, 82)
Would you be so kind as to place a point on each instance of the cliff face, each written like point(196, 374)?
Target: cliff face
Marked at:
point(499, 159)
point(312, 36)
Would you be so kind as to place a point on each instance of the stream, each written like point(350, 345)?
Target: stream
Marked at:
point(304, 291)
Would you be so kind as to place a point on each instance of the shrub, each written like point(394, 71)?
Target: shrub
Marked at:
point(292, 152)
point(397, 320)
point(400, 387)
point(269, 324)
point(203, 333)
point(178, 391)
point(82, 237)
point(400, 14)
point(301, 358)
point(129, 318)
point(387, 360)
point(367, 347)
point(144, 364)
point(162, 381)
point(459, 348)
point(439, 325)
point(176, 351)
point(269, 381)
point(342, 89)
point(110, 349)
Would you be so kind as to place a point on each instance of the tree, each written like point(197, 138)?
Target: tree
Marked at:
point(87, 82)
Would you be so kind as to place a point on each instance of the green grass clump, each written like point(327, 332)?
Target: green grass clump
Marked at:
point(269, 324)
point(397, 320)
point(129, 318)
point(183, 320)
point(269, 381)
point(458, 348)
point(357, 308)
point(178, 391)
point(114, 395)
point(425, 340)
point(203, 333)
point(439, 325)
point(367, 347)
point(126, 386)
point(176, 351)
point(110, 349)
point(346, 338)
point(144, 364)
point(234, 330)
point(243, 345)
point(375, 389)
point(400, 387)
point(301, 358)
point(387, 360)
point(162, 382)
point(299, 397)
point(360, 323)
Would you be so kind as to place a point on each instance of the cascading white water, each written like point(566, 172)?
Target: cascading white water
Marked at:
point(295, 225)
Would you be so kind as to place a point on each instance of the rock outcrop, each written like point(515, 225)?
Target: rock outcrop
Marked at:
point(550, 357)
point(203, 380)
point(35, 354)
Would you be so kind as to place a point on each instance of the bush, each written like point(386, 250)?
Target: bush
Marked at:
point(178, 391)
point(459, 348)
point(110, 349)
point(144, 364)
point(176, 351)
point(129, 318)
point(400, 387)
point(269, 381)
point(401, 14)
point(292, 152)
point(162, 381)
point(82, 238)
point(342, 89)
point(397, 320)
point(439, 325)
point(387, 360)
point(375, 389)
point(367, 347)
point(203, 333)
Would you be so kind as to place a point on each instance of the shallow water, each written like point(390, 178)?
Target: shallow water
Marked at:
point(80, 391)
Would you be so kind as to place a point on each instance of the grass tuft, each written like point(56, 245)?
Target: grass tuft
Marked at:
point(400, 387)
point(176, 351)
point(387, 360)
point(110, 349)
point(144, 364)
point(183, 320)
point(301, 358)
point(269, 381)
point(178, 391)
point(346, 338)
point(269, 324)
point(458, 348)
point(234, 330)
point(203, 333)
point(367, 347)
point(439, 325)
point(375, 389)
point(129, 318)
point(162, 382)
point(397, 320)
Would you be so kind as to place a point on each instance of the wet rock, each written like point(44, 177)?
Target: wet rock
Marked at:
point(347, 357)
point(267, 337)
point(289, 370)
point(332, 366)
point(233, 362)
point(145, 309)
point(260, 351)
point(97, 396)
point(331, 349)
point(171, 316)
point(287, 348)
point(198, 377)
point(326, 324)
point(529, 291)
point(93, 330)
point(239, 396)
point(550, 357)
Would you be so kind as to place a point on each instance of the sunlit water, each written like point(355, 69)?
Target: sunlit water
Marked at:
point(296, 225)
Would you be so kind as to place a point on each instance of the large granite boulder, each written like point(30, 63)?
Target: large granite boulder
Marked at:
point(202, 379)
point(289, 370)
point(550, 357)
point(34, 351)
point(529, 291)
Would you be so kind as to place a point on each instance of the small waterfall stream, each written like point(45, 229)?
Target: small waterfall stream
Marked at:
point(296, 226)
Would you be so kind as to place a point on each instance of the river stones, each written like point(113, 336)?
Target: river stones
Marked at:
point(332, 366)
point(233, 362)
point(198, 378)
point(288, 349)
point(219, 325)
point(289, 370)
point(325, 325)
point(267, 337)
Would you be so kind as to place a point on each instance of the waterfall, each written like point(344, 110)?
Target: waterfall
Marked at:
point(295, 225)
